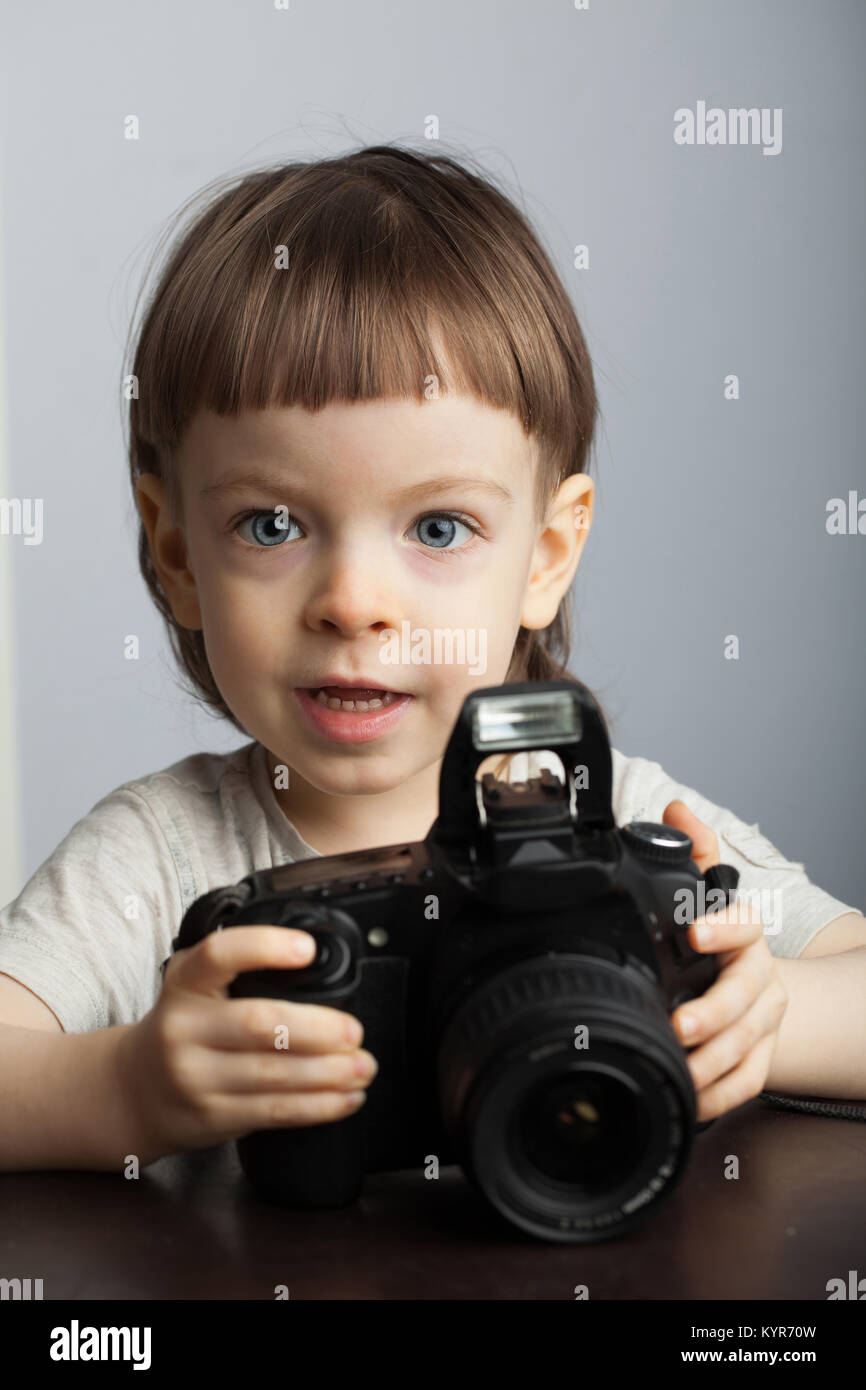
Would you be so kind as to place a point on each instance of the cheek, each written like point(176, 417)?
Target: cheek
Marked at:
point(240, 618)
point(482, 592)
point(490, 580)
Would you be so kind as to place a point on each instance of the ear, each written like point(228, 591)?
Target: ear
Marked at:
point(558, 550)
point(168, 551)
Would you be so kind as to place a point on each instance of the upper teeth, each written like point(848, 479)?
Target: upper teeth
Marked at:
point(332, 702)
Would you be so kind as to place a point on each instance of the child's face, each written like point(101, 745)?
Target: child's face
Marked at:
point(354, 556)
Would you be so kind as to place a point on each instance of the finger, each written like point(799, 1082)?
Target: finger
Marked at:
point(239, 1114)
point(735, 990)
point(730, 929)
point(227, 1073)
point(212, 964)
point(729, 1047)
point(266, 1025)
point(743, 1083)
point(705, 845)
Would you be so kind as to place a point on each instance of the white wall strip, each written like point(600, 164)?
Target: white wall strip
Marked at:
point(10, 809)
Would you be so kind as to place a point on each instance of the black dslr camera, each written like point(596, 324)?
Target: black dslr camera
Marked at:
point(514, 973)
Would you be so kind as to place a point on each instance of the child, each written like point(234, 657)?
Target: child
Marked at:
point(360, 404)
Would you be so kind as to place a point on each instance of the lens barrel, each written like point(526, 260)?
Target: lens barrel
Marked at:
point(568, 1096)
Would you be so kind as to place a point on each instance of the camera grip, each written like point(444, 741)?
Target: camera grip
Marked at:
point(308, 1167)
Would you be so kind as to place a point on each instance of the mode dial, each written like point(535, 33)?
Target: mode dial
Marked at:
point(660, 844)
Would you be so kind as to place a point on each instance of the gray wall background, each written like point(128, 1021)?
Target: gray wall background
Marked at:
point(710, 516)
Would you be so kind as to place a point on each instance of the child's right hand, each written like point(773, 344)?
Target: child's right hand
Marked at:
point(202, 1068)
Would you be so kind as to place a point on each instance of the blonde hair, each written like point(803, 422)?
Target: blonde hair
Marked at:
point(390, 259)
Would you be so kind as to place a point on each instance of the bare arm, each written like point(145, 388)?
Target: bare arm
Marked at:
point(821, 1048)
point(21, 1006)
point(62, 1100)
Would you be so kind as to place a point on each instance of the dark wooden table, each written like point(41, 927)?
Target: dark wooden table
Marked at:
point(191, 1228)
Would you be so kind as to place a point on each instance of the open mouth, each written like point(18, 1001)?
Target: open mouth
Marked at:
point(361, 698)
point(352, 714)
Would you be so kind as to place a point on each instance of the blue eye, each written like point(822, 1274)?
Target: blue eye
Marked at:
point(268, 528)
point(441, 529)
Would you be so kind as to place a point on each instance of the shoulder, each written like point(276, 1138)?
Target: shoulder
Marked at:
point(641, 788)
point(195, 776)
point(169, 826)
point(793, 907)
point(178, 799)
point(133, 826)
point(90, 928)
point(202, 811)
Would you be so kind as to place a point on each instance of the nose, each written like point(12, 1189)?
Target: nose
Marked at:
point(352, 597)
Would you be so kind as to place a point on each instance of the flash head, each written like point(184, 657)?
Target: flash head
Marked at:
point(536, 719)
point(561, 716)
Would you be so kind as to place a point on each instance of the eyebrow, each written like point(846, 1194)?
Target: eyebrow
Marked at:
point(263, 482)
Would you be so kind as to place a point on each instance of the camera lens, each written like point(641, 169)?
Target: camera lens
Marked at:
point(567, 1095)
point(587, 1128)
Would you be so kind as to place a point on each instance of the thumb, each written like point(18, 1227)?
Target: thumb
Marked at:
point(705, 846)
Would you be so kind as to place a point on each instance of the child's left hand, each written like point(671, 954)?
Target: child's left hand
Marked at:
point(738, 1017)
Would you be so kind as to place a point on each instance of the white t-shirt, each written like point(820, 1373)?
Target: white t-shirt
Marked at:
point(90, 930)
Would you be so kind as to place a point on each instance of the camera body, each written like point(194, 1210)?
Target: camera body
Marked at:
point(515, 972)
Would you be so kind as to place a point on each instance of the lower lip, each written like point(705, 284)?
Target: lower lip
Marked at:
point(351, 726)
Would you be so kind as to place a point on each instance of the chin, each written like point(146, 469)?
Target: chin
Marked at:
point(355, 780)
